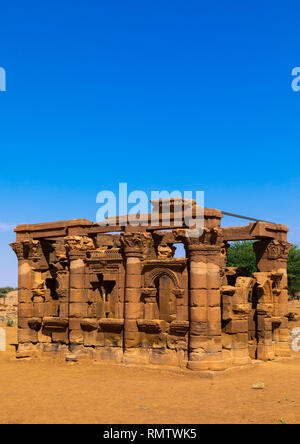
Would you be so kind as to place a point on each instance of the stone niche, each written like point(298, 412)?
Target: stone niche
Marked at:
point(164, 321)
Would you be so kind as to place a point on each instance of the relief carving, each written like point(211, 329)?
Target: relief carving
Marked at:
point(79, 244)
point(278, 250)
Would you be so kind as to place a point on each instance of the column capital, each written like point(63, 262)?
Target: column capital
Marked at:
point(135, 243)
point(271, 253)
point(29, 249)
point(205, 242)
point(278, 250)
point(18, 248)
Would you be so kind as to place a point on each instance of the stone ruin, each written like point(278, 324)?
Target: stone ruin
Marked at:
point(118, 293)
point(9, 309)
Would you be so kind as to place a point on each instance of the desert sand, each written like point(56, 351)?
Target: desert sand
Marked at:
point(37, 391)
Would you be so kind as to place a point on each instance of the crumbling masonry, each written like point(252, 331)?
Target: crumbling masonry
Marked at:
point(118, 293)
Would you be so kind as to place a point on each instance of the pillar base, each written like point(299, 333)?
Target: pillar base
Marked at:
point(214, 362)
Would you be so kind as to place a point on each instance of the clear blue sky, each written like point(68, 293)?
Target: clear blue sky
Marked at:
point(188, 95)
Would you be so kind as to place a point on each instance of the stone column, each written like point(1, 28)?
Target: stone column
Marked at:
point(78, 300)
point(204, 254)
point(133, 246)
point(236, 310)
point(272, 256)
point(24, 272)
point(30, 287)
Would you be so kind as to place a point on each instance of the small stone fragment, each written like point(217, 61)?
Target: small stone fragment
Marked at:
point(258, 386)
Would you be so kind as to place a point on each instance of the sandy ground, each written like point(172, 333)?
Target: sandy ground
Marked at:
point(53, 392)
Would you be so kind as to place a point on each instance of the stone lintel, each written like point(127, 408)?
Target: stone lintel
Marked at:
point(254, 231)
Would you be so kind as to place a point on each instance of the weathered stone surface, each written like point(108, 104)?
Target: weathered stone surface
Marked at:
point(124, 297)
